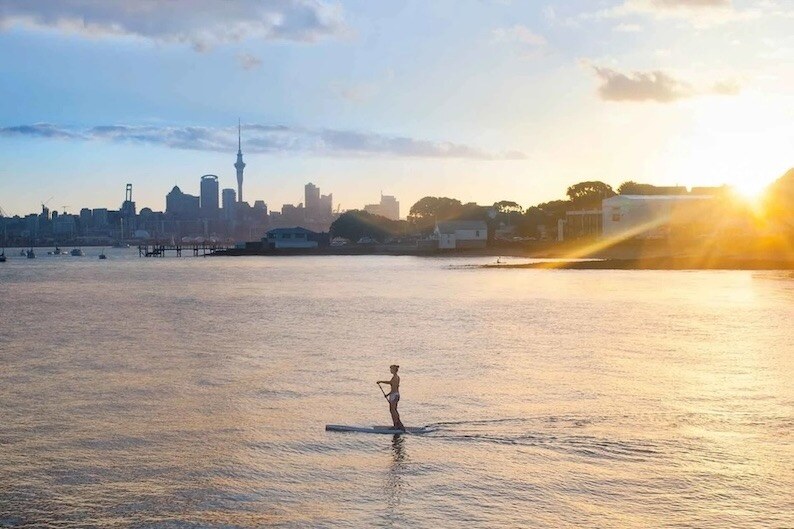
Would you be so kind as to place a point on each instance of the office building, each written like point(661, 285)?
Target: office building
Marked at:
point(209, 197)
point(228, 200)
point(181, 205)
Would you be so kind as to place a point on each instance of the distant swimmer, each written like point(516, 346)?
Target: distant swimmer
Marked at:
point(393, 396)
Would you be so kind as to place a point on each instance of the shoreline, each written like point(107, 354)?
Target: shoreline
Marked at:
point(660, 263)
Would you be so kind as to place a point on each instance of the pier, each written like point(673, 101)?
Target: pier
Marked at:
point(198, 249)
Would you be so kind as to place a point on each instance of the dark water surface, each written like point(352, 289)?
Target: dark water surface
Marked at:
point(194, 393)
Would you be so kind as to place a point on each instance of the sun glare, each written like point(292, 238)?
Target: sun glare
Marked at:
point(751, 189)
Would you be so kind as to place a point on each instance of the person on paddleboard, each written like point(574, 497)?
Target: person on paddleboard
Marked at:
point(393, 396)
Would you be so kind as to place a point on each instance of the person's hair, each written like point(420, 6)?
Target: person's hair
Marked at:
point(395, 366)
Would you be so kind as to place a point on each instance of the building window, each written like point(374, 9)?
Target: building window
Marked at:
point(287, 236)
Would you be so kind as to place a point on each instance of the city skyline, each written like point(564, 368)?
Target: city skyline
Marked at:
point(508, 100)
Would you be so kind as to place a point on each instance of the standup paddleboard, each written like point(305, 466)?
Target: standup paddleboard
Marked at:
point(373, 429)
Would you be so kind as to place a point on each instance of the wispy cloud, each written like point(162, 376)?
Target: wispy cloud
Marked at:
point(269, 139)
point(200, 23)
point(655, 86)
point(628, 28)
point(700, 13)
point(354, 93)
point(527, 41)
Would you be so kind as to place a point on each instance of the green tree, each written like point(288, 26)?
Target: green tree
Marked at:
point(634, 188)
point(588, 195)
point(355, 224)
point(508, 206)
point(436, 208)
point(546, 214)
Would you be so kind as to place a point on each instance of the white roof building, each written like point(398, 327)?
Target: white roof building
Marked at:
point(455, 234)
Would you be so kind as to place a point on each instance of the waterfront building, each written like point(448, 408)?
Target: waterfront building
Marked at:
point(389, 207)
point(64, 225)
point(86, 218)
point(209, 197)
point(297, 237)
point(457, 234)
point(100, 217)
point(239, 165)
point(580, 224)
point(656, 216)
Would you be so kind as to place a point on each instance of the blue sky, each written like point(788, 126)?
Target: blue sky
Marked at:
point(479, 100)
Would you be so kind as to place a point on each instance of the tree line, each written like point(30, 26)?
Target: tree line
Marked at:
point(528, 222)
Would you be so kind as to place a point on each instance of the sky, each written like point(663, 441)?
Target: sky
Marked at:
point(474, 99)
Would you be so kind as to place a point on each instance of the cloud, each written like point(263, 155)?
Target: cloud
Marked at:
point(520, 35)
point(527, 42)
point(248, 61)
point(699, 13)
point(726, 88)
point(41, 130)
point(655, 86)
point(267, 139)
point(199, 23)
point(628, 28)
point(354, 93)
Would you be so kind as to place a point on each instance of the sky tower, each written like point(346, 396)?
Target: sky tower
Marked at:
point(239, 164)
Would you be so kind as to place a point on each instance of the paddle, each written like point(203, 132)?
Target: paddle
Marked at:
point(381, 390)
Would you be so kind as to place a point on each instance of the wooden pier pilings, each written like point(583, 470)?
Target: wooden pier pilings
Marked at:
point(198, 249)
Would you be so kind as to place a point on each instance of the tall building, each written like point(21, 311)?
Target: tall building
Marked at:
point(100, 217)
point(209, 196)
point(239, 164)
point(181, 205)
point(312, 197)
point(326, 206)
point(128, 206)
point(389, 207)
point(228, 199)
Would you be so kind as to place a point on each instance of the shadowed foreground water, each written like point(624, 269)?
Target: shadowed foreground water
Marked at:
point(194, 392)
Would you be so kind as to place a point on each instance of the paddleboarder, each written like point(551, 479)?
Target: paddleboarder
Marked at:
point(393, 396)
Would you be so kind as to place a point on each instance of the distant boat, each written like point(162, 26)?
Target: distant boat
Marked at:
point(76, 252)
point(102, 255)
point(22, 253)
point(30, 254)
point(57, 251)
point(3, 257)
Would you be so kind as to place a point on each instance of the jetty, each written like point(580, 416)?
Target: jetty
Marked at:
point(176, 249)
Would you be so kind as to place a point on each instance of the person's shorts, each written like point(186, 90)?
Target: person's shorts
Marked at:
point(394, 397)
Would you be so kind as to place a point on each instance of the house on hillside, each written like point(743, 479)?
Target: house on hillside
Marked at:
point(457, 234)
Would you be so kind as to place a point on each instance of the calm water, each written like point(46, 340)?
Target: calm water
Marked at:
point(194, 393)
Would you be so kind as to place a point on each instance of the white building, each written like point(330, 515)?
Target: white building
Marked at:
point(651, 216)
point(281, 238)
point(455, 234)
